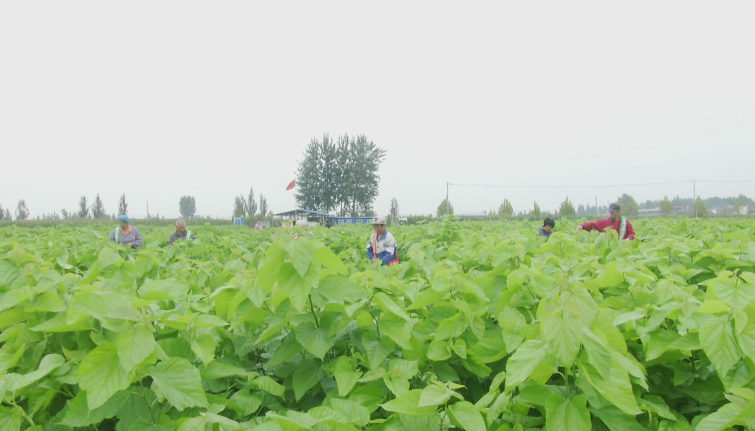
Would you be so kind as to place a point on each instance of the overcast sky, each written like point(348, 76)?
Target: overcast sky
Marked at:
point(161, 99)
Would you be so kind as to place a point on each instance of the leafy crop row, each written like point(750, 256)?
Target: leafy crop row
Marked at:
point(482, 326)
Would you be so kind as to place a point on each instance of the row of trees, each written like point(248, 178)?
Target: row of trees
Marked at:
point(340, 175)
point(187, 207)
point(22, 213)
point(629, 207)
point(94, 211)
point(248, 208)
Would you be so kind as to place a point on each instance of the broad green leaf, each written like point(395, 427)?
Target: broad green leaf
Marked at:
point(377, 351)
point(220, 370)
point(563, 414)
point(324, 256)
point(355, 412)
point(746, 340)
point(300, 253)
point(408, 404)
point(267, 384)
point(297, 287)
point(433, 395)
point(284, 352)
point(466, 416)
point(346, 374)
point(204, 348)
point(523, 362)
point(628, 317)
point(106, 305)
point(599, 354)
point(737, 293)
point(720, 420)
point(490, 348)
point(306, 376)
point(615, 419)
point(438, 351)
point(268, 272)
point(8, 272)
point(180, 383)
point(719, 343)
point(134, 345)
point(10, 419)
point(460, 348)
point(79, 415)
point(397, 329)
point(101, 375)
point(314, 340)
point(451, 327)
point(386, 304)
point(564, 336)
point(616, 388)
point(164, 290)
point(47, 365)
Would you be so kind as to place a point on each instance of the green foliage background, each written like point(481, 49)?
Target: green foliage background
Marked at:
point(483, 325)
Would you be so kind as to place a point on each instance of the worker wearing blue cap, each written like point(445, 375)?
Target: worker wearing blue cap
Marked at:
point(125, 233)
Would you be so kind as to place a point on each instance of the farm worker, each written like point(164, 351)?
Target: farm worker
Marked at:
point(125, 233)
point(382, 245)
point(180, 232)
point(547, 229)
point(258, 225)
point(615, 220)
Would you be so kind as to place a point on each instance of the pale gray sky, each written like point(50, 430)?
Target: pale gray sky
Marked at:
point(162, 99)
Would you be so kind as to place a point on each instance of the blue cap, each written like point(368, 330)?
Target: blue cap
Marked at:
point(614, 207)
point(123, 218)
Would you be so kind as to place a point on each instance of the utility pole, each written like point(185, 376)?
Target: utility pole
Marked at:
point(597, 213)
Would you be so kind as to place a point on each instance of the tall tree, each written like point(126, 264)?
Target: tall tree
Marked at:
point(739, 203)
point(263, 206)
point(506, 209)
point(2, 212)
point(251, 205)
point(536, 210)
point(581, 210)
point(7, 214)
point(342, 175)
point(699, 209)
point(444, 209)
point(629, 207)
point(239, 207)
point(566, 209)
point(22, 213)
point(187, 206)
point(98, 209)
point(309, 187)
point(666, 206)
point(122, 206)
point(83, 208)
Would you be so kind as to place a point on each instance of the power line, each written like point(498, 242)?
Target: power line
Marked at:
point(592, 186)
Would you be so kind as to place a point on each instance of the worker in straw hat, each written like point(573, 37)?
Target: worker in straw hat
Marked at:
point(382, 245)
point(614, 220)
point(125, 233)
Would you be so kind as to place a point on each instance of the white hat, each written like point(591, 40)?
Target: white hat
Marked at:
point(378, 220)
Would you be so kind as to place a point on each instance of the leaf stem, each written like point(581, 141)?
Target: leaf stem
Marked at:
point(312, 307)
point(144, 397)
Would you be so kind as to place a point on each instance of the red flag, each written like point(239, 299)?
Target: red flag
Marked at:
point(291, 185)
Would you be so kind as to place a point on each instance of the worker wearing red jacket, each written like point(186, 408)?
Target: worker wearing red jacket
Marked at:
point(615, 220)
